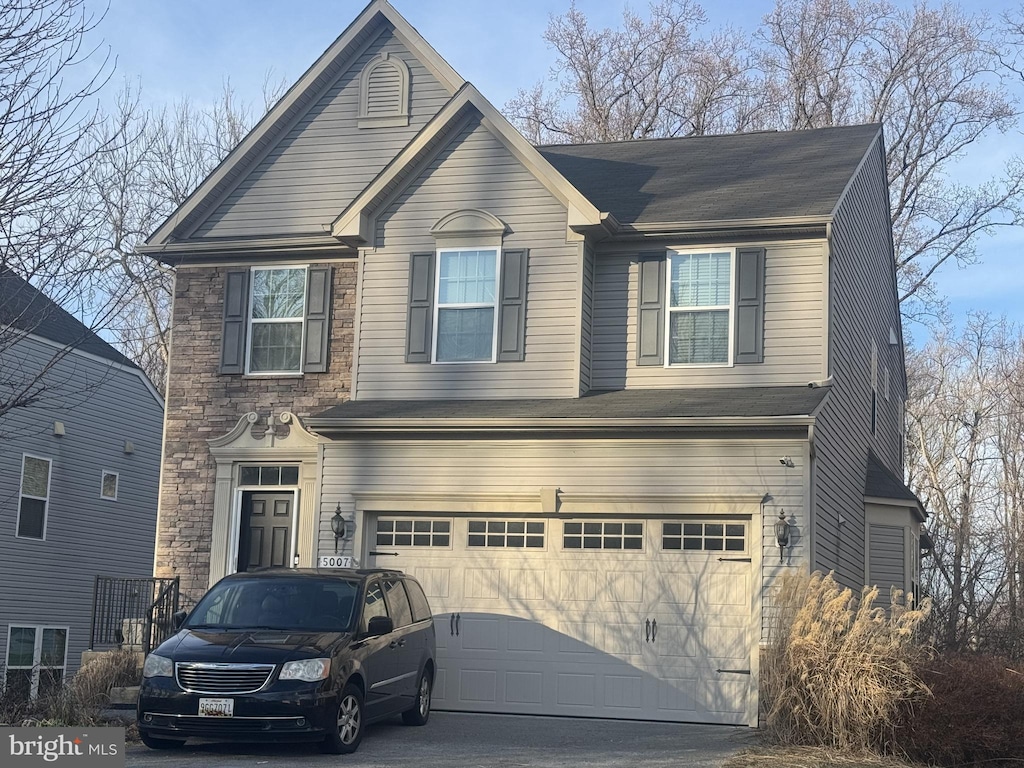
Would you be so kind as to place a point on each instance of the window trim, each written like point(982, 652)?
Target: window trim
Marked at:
point(37, 655)
point(264, 321)
point(748, 536)
point(46, 501)
point(496, 305)
point(416, 548)
point(117, 484)
point(670, 254)
point(582, 535)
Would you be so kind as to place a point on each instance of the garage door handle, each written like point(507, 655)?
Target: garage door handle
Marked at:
point(451, 625)
point(648, 622)
point(654, 630)
point(458, 620)
point(733, 671)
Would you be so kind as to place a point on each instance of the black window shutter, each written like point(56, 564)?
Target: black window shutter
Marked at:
point(236, 320)
point(512, 309)
point(650, 321)
point(749, 342)
point(318, 316)
point(421, 308)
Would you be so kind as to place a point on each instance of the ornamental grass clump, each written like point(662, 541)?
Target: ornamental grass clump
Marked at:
point(838, 672)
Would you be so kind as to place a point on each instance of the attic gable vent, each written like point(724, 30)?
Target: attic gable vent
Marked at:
point(384, 93)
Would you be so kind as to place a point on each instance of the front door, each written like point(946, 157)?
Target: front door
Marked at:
point(265, 530)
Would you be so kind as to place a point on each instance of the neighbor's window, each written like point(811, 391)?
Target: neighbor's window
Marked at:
point(36, 659)
point(277, 312)
point(35, 494)
point(467, 289)
point(108, 486)
point(699, 307)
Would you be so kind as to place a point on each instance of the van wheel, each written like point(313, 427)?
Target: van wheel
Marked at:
point(154, 743)
point(346, 736)
point(419, 713)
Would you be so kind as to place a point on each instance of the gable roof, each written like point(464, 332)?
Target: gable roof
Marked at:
point(291, 106)
point(604, 409)
point(793, 176)
point(24, 307)
point(882, 483)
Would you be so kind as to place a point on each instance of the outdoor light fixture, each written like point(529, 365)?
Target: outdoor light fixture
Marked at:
point(343, 529)
point(782, 533)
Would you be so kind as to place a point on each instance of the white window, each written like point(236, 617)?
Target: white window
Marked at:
point(467, 289)
point(603, 535)
point(277, 308)
point(699, 305)
point(506, 534)
point(108, 486)
point(408, 532)
point(35, 496)
point(36, 660)
point(705, 537)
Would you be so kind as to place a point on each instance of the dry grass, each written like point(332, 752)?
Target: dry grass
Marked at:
point(837, 672)
point(808, 757)
point(81, 701)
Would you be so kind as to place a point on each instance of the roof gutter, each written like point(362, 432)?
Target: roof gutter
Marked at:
point(519, 425)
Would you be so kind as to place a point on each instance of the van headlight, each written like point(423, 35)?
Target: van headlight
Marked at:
point(157, 666)
point(308, 670)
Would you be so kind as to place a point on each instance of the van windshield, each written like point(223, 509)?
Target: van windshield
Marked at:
point(287, 603)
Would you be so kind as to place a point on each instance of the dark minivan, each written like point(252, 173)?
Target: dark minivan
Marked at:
point(288, 654)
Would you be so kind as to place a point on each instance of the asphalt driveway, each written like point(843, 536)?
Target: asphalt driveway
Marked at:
point(456, 740)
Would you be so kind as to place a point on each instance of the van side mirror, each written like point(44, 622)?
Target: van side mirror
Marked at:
point(178, 618)
point(380, 625)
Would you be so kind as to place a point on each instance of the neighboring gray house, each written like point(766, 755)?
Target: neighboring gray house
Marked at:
point(573, 389)
point(79, 474)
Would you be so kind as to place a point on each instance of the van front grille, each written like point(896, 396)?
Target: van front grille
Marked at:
point(201, 677)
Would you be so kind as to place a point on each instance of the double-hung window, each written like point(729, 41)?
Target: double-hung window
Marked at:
point(276, 319)
point(35, 497)
point(700, 307)
point(467, 291)
point(36, 660)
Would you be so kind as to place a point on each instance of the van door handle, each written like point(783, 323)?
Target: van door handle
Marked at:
point(396, 643)
point(648, 622)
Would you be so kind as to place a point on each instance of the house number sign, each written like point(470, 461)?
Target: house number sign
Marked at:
point(336, 561)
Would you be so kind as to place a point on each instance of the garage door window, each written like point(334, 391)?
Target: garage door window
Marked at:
point(506, 533)
point(414, 533)
point(603, 535)
point(706, 537)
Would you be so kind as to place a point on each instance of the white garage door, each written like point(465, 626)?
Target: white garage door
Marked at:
point(622, 618)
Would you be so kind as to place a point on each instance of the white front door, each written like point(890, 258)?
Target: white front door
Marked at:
point(602, 617)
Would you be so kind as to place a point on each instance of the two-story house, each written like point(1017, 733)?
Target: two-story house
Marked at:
point(576, 390)
point(79, 478)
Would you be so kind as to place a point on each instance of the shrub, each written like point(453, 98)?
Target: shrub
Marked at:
point(837, 672)
point(81, 701)
point(975, 713)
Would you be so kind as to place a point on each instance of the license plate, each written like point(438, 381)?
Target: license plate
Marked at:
point(216, 707)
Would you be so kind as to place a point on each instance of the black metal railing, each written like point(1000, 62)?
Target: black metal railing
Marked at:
point(132, 612)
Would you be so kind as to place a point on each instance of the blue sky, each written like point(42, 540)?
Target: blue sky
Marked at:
point(190, 47)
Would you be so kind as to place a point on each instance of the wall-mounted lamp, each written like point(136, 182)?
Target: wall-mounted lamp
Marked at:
point(786, 461)
point(782, 529)
point(344, 529)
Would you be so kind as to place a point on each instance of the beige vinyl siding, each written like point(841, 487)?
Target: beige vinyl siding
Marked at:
point(793, 324)
point(622, 467)
point(474, 170)
point(887, 568)
point(101, 406)
point(863, 308)
point(325, 160)
point(587, 319)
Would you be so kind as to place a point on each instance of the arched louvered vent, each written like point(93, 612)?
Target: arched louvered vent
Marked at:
point(384, 93)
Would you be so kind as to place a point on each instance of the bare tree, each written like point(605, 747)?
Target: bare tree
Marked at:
point(959, 422)
point(135, 188)
point(930, 75)
point(47, 80)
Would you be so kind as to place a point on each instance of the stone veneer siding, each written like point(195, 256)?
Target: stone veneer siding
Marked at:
point(202, 403)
